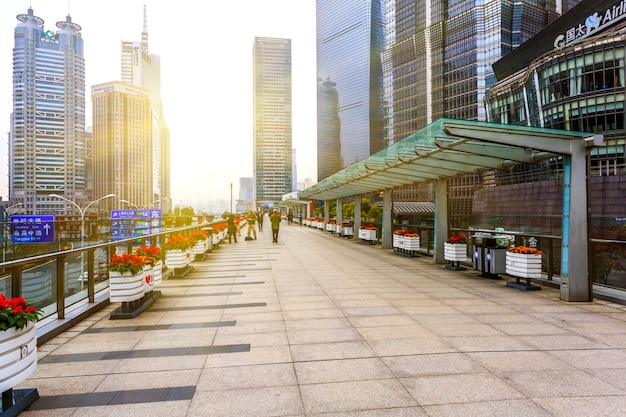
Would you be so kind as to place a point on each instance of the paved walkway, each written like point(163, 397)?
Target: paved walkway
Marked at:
point(317, 325)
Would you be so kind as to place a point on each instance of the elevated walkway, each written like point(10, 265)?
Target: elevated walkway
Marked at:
point(322, 326)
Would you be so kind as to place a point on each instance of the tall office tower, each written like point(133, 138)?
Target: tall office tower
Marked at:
point(413, 66)
point(477, 35)
point(47, 139)
point(143, 69)
point(272, 119)
point(122, 142)
point(350, 38)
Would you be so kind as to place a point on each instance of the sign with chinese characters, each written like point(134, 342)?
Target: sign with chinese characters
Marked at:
point(593, 23)
point(32, 229)
point(127, 224)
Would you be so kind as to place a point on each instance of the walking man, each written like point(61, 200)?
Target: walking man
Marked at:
point(275, 220)
point(251, 222)
point(259, 219)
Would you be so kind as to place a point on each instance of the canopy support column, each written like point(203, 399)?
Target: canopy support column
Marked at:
point(387, 232)
point(575, 283)
point(339, 211)
point(326, 212)
point(441, 219)
point(357, 215)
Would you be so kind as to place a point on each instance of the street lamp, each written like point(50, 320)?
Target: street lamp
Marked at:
point(4, 225)
point(137, 207)
point(82, 225)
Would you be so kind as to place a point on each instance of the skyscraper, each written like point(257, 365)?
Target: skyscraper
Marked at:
point(272, 119)
point(350, 38)
point(143, 69)
point(122, 145)
point(47, 139)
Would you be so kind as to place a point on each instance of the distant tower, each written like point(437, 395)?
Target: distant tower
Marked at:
point(122, 146)
point(47, 140)
point(143, 69)
point(272, 119)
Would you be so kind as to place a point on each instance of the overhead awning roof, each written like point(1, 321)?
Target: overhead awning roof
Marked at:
point(401, 208)
point(445, 149)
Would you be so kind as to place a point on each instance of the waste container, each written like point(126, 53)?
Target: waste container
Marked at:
point(488, 257)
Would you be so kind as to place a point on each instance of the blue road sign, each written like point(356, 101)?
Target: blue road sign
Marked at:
point(134, 223)
point(32, 229)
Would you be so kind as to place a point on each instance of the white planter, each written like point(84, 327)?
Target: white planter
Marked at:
point(406, 242)
point(339, 229)
point(455, 252)
point(177, 258)
point(148, 278)
point(18, 355)
point(215, 239)
point(319, 225)
point(366, 234)
point(200, 247)
point(348, 231)
point(157, 273)
point(523, 265)
point(331, 227)
point(125, 287)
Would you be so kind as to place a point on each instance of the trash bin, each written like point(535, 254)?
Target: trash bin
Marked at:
point(487, 256)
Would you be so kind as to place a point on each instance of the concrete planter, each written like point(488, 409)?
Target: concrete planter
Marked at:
point(523, 265)
point(18, 355)
point(455, 252)
point(126, 287)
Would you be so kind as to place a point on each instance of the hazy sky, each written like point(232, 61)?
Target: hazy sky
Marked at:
point(205, 48)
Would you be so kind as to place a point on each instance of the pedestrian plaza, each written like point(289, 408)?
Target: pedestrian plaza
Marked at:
point(322, 326)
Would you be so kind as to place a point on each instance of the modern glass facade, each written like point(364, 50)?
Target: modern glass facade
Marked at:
point(577, 86)
point(47, 152)
point(272, 124)
point(350, 38)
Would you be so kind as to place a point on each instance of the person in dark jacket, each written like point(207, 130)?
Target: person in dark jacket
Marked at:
point(275, 220)
point(231, 229)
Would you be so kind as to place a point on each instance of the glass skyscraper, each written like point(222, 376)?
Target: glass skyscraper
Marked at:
point(272, 122)
point(47, 152)
point(350, 38)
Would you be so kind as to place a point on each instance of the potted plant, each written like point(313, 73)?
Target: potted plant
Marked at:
point(18, 341)
point(178, 251)
point(154, 256)
point(455, 248)
point(523, 262)
point(200, 238)
point(367, 232)
point(126, 277)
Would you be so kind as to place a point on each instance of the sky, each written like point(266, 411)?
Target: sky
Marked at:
point(205, 48)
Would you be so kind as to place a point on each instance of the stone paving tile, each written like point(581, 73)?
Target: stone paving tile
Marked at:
point(354, 395)
point(410, 346)
point(328, 351)
point(599, 406)
point(252, 376)
point(486, 344)
point(299, 337)
point(519, 361)
point(315, 372)
point(264, 401)
point(383, 412)
point(256, 339)
point(433, 364)
point(459, 388)
point(501, 408)
point(560, 383)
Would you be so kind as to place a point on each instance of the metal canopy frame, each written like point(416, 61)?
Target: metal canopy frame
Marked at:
point(444, 149)
point(451, 148)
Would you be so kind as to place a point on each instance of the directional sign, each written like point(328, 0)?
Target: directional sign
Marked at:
point(134, 223)
point(32, 229)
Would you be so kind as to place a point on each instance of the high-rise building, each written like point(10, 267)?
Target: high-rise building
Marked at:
point(122, 145)
point(47, 153)
point(350, 38)
point(272, 119)
point(143, 69)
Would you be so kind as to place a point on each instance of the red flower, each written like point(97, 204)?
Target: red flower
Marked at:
point(16, 312)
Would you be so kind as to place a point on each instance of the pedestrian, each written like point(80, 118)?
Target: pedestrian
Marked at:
point(300, 217)
point(251, 219)
point(289, 217)
point(231, 229)
point(259, 220)
point(275, 220)
point(238, 224)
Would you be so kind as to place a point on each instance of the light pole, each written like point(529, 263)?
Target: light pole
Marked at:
point(140, 208)
point(5, 224)
point(82, 226)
